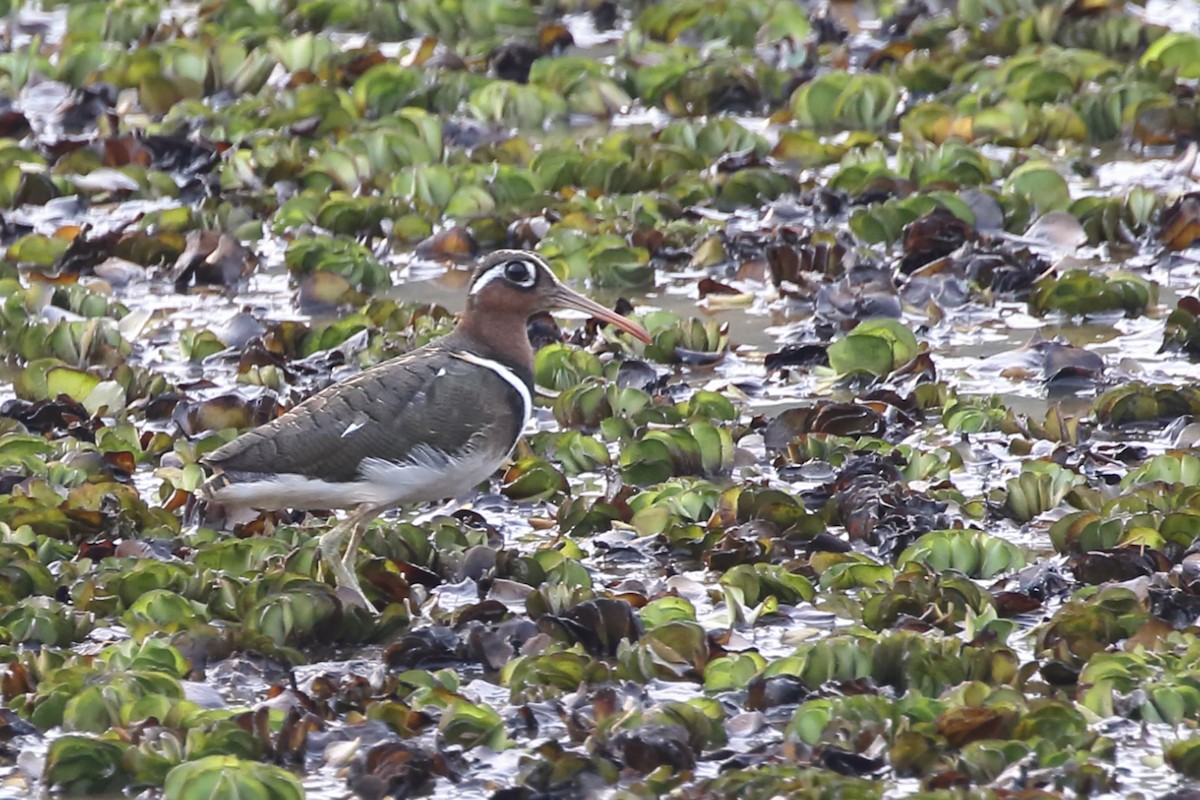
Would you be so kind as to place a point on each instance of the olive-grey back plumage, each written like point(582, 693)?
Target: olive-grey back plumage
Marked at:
point(428, 398)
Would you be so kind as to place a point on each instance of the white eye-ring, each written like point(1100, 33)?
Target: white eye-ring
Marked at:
point(512, 267)
point(520, 272)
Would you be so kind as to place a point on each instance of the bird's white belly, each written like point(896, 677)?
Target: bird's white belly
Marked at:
point(427, 475)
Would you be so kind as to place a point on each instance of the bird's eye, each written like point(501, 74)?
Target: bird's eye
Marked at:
point(520, 272)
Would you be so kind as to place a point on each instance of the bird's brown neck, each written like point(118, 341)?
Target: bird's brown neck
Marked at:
point(499, 335)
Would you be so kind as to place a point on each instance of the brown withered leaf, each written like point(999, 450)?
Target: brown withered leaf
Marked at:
point(920, 368)
point(1150, 636)
point(455, 243)
point(225, 411)
point(652, 239)
point(1118, 564)
point(88, 250)
point(302, 77)
point(1063, 361)
point(966, 724)
point(390, 584)
point(952, 779)
point(891, 53)
point(764, 694)
point(795, 253)
point(840, 419)
point(98, 549)
point(656, 746)
point(59, 279)
point(393, 769)
point(121, 151)
point(212, 258)
point(600, 625)
point(360, 61)
point(1160, 126)
point(512, 60)
point(428, 648)
point(416, 574)
point(13, 124)
point(292, 740)
point(554, 37)
point(483, 611)
point(933, 236)
point(709, 286)
point(1179, 227)
point(122, 460)
point(845, 762)
point(53, 418)
point(15, 681)
point(1010, 604)
point(495, 646)
point(178, 499)
point(256, 355)
point(424, 51)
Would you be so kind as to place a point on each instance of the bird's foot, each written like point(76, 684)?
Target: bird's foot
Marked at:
point(342, 566)
point(352, 594)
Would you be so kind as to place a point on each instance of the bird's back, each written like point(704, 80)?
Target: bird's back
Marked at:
point(440, 408)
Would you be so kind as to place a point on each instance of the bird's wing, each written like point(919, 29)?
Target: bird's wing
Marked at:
point(398, 411)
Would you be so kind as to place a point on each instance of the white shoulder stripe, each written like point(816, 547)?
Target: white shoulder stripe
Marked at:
point(505, 373)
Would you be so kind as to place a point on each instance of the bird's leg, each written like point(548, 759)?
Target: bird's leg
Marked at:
point(330, 547)
point(350, 556)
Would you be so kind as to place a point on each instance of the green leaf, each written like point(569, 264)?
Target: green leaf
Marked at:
point(730, 673)
point(74, 383)
point(855, 353)
point(877, 346)
point(1041, 184)
point(809, 722)
point(473, 724)
point(1175, 51)
point(85, 764)
point(229, 777)
point(974, 553)
point(666, 609)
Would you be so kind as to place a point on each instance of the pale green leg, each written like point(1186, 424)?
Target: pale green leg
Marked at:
point(340, 565)
point(350, 557)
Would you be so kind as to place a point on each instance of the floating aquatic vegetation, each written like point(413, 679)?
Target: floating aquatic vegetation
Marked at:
point(706, 571)
point(878, 347)
point(1081, 292)
point(1138, 403)
point(1182, 330)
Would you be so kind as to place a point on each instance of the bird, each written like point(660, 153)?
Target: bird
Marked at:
point(423, 426)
